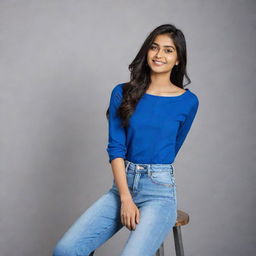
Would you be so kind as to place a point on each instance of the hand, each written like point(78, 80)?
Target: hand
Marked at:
point(129, 214)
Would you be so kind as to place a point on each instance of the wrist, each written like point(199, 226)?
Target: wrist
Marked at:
point(125, 198)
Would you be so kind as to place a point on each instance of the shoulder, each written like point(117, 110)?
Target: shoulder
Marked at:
point(117, 91)
point(118, 88)
point(193, 98)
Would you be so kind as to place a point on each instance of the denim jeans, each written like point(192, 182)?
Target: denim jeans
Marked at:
point(153, 189)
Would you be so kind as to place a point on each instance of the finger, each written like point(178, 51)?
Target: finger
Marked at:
point(133, 224)
point(128, 222)
point(123, 220)
point(138, 217)
point(121, 217)
point(132, 219)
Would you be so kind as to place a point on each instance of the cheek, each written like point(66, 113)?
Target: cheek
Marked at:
point(149, 56)
point(171, 60)
point(172, 57)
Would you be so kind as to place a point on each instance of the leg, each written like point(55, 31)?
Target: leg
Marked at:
point(157, 217)
point(95, 226)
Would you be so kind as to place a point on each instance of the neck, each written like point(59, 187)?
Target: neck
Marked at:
point(160, 81)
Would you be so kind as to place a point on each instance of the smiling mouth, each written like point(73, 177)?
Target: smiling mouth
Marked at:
point(159, 63)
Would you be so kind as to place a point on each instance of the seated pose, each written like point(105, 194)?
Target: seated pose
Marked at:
point(149, 118)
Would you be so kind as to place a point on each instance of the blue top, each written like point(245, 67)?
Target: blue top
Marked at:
point(157, 129)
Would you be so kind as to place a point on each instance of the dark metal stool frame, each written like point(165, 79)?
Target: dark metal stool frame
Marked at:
point(182, 219)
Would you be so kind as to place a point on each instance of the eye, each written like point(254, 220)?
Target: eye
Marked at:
point(169, 50)
point(152, 47)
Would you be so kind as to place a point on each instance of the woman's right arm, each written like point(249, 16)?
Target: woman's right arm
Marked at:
point(118, 169)
point(129, 212)
point(117, 153)
point(117, 143)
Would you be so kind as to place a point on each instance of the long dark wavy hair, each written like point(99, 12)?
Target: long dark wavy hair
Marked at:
point(140, 71)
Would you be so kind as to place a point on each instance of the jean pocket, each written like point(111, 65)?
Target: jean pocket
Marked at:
point(164, 178)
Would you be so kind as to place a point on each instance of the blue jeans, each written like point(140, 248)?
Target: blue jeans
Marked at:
point(153, 189)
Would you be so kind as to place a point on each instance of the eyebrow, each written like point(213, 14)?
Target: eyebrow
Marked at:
point(165, 45)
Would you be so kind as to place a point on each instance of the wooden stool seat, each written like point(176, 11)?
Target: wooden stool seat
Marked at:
point(182, 219)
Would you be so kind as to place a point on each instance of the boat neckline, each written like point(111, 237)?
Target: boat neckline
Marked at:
point(169, 97)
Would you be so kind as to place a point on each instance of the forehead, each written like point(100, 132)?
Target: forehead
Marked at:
point(164, 40)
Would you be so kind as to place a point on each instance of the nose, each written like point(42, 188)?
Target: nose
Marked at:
point(158, 55)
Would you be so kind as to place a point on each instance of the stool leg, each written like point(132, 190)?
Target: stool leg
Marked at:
point(178, 241)
point(91, 254)
point(160, 251)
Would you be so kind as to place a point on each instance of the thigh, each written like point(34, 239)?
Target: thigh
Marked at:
point(156, 221)
point(95, 226)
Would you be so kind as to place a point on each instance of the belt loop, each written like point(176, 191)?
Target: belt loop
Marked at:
point(149, 169)
point(128, 163)
point(173, 170)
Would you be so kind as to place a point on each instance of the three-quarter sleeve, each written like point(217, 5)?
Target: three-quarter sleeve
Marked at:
point(186, 125)
point(116, 133)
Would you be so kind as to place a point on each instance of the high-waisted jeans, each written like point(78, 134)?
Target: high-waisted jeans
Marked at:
point(153, 189)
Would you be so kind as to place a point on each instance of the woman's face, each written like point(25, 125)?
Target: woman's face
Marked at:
point(164, 51)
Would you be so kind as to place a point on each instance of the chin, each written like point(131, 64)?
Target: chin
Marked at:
point(159, 70)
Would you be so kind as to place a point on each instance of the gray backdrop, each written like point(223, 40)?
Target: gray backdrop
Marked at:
point(59, 62)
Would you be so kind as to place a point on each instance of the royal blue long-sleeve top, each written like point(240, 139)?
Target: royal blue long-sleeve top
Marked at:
point(157, 128)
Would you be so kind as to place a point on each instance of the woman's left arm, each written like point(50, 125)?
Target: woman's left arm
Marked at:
point(186, 125)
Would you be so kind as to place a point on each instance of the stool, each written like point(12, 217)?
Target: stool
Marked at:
point(182, 219)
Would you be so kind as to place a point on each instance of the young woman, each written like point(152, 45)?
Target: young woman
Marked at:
point(149, 118)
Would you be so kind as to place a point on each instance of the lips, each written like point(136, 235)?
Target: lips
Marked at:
point(159, 63)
